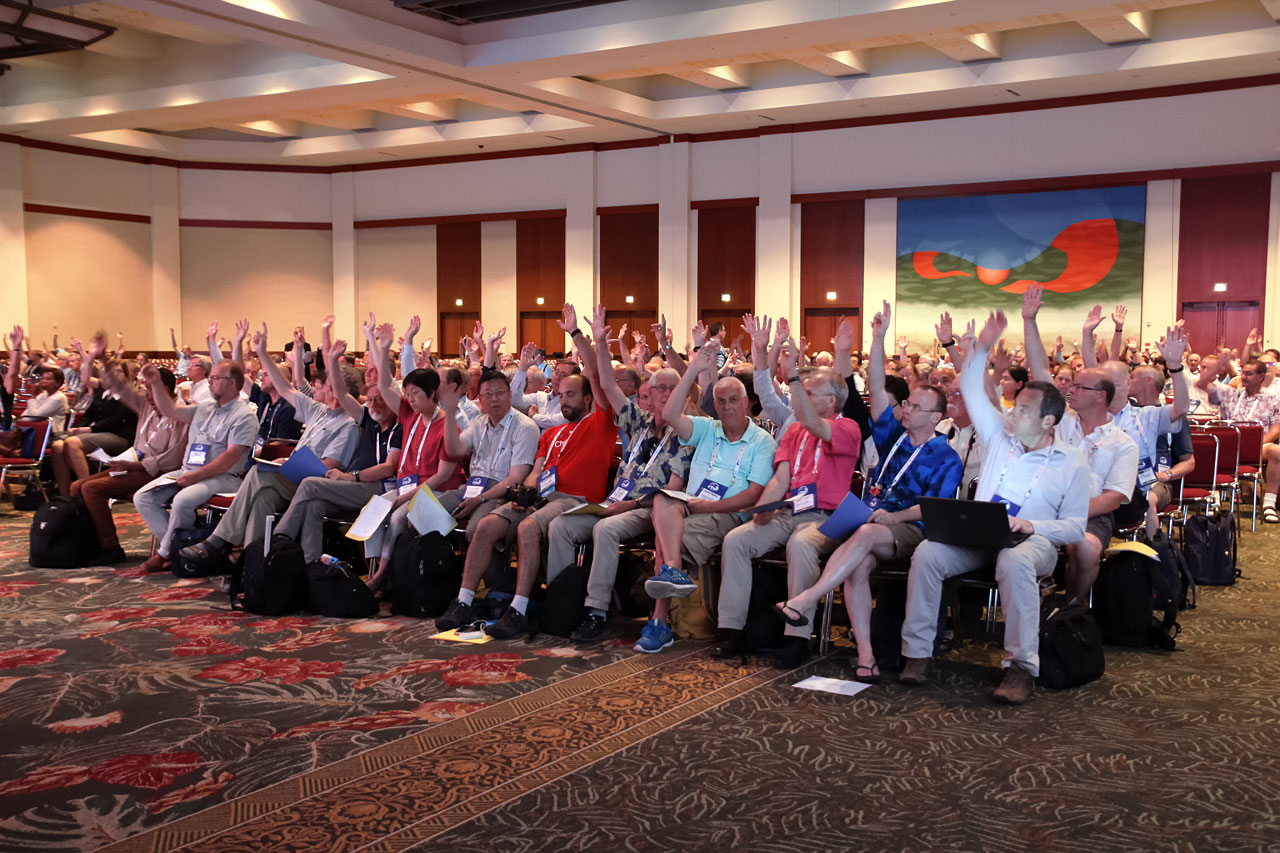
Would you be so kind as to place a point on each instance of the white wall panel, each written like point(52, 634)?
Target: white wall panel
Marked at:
point(265, 196)
point(728, 169)
point(94, 183)
point(627, 177)
point(519, 183)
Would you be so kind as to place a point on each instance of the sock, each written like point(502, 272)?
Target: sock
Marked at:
point(1268, 500)
point(520, 603)
point(214, 542)
point(595, 611)
point(466, 596)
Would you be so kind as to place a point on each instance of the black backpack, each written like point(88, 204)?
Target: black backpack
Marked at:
point(1175, 574)
point(565, 602)
point(1070, 644)
point(886, 622)
point(425, 575)
point(1129, 593)
point(1209, 543)
point(270, 585)
point(764, 626)
point(188, 567)
point(62, 535)
point(334, 589)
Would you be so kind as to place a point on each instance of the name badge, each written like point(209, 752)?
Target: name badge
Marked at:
point(405, 485)
point(710, 490)
point(1164, 462)
point(388, 484)
point(1146, 473)
point(474, 486)
point(873, 502)
point(1009, 505)
point(621, 490)
point(804, 498)
point(197, 454)
point(258, 444)
point(547, 482)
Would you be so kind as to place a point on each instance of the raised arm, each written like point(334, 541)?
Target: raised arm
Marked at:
point(299, 359)
point(211, 337)
point(408, 358)
point(1037, 358)
point(1172, 346)
point(806, 414)
point(1251, 343)
point(13, 378)
point(173, 339)
point(237, 344)
point(669, 354)
point(381, 348)
point(986, 417)
point(86, 359)
point(284, 386)
point(875, 364)
point(607, 381)
point(349, 404)
point(1088, 351)
point(674, 413)
point(114, 380)
point(842, 348)
point(492, 349)
point(164, 404)
point(1117, 339)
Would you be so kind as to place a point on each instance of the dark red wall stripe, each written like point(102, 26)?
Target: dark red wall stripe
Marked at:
point(85, 214)
point(411, 221)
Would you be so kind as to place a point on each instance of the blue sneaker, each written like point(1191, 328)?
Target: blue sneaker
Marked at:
point(670, 583)
point(655, 637)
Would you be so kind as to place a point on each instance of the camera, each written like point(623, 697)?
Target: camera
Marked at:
point(523, 496)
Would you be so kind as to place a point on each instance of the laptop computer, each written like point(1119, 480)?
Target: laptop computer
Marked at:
point(973, 524)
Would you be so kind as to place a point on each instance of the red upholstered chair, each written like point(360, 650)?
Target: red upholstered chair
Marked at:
point(1200, 486)
point(1250, 469)
point(28, 466)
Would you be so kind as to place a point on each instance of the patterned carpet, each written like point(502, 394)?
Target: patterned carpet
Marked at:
point(139, 714)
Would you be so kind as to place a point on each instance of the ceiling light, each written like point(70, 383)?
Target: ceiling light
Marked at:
point(831, 296)
point(458, 302)
point(1220, 287)
point(724, 297)
point(630, 300)
point(541, 301)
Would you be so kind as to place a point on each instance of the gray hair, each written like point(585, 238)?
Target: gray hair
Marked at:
point(836, 386)
point(204, 362)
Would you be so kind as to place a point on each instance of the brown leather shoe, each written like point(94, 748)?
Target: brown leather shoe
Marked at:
point(915, 672)
point(1017, 688)
point(155, 563)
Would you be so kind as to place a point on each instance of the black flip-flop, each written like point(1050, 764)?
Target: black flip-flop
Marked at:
point(784, 613)
point(872, 677)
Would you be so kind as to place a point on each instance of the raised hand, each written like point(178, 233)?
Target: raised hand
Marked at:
point(242, 328)
point(97, 347)
point(384, 335)
point(528, 355)
point(415, 326)
point(212, 334)
point(1173, 345)
point(699, 332)
point(993, 329)
point(843, 341)
point(788, 357)
point(1093, 319)
point(944, 328)
point(299, 338)
point(369, 325)
point(705, 358)
point(903, 343)
point(783, 331)
point(570, 318)
point(1253, 339)
point(660, 330)
point(757, 329)
point(337, 349)
point(15, 338)
point(76, 345)
point(622, 334)
point(1058, 345)
point(1032, 300)
point(1118, 315)
point(880, 322)
point(150, 373)
point(600, 329)
point(260, 340)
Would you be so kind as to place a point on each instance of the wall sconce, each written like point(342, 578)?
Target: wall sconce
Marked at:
point(831, 296)
point(458, 302)
point(724, 297)
point(1220, 287)
point(631, 300)
point(541, 301)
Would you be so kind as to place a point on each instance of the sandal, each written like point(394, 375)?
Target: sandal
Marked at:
point(1270, 516)
point(198, 551)
point(866, 674)
point(790, 615)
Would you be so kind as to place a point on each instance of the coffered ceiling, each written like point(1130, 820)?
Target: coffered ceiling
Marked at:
point(331, 82)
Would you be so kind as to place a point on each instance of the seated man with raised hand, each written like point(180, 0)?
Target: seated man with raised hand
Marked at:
point(1174, 458)
point(107, 424)
point(546, 405)
point(653, 459)
point(424, 461)
point(328, 433)
point(813, 467)
point(371, 472)
point(196, 389)
point(1251, 402)
point(732, 462)
point(1044, 483)
point(570, 468)
point(218, 443)
point(915, 461)
point(51, 403)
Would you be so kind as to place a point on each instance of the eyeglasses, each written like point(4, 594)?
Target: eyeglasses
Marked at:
point(1080, 387)
point(666, 388)
point(908, 406)
point(216, 378)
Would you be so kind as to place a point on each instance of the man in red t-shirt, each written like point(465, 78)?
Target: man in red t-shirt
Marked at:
point(572, 466)
point(423, 462)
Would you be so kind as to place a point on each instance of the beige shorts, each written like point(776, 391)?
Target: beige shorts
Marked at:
point(557, 503)
point(906, 536)
point(703, 534)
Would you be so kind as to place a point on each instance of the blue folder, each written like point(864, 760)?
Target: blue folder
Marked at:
point(848, 517)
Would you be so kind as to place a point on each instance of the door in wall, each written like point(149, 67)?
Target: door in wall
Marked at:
point(542, 328)
point(453, 326)
point(1220, 324)
point(819, 327)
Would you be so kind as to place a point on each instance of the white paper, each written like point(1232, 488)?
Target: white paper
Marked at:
point(678, 495)
point(129, 455)
point(426, 514)
point(587, 509)
point(370, 519)
point(832, 685)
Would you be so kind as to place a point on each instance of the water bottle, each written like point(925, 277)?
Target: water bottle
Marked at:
point(330, 560)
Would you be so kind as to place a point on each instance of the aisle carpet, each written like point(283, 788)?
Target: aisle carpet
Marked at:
point(139, 714)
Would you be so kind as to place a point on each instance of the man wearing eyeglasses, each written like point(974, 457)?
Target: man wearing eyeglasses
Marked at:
point(1044, 483)
point(218, 444)
point(653, 459)
point(1251, 403)
point(914, 461)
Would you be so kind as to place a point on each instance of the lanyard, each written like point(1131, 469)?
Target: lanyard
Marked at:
point(653, 455)
point(272, 412)
point(488, 427)
point(885, 467)
point(559, 445)
point(1004, 469)
point(736, 465)
point(417, 420)
point(817, 454)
